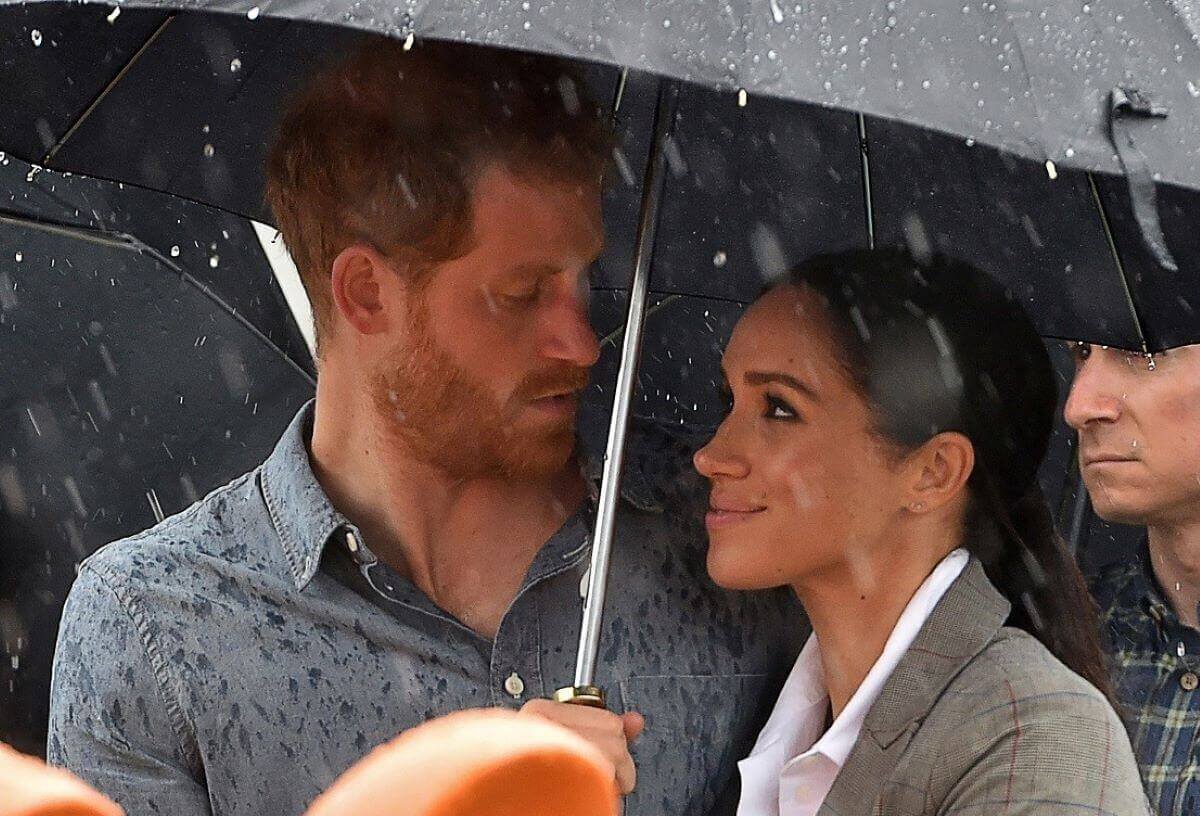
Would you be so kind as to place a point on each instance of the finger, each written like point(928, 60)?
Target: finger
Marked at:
point(626, 774)
point(634, 723)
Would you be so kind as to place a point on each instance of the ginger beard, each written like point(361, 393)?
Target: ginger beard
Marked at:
point(453, 422)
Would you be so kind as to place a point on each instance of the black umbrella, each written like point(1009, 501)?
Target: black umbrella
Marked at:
point(127, 390)
point(183, 102)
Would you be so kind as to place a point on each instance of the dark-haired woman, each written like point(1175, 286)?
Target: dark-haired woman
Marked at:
point(879, 457)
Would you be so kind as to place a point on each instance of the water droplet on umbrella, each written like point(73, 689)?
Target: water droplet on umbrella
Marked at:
point(409, 40)
point(36, 36)
point(666, 23)
point(19, 257)
point(175, 251)
point(235, 65)
point(214, 260)
point(776, 11)
point(719, 258)
point(1051, 170)
point(527, 25)
point(1193, 89)
point(743, 97)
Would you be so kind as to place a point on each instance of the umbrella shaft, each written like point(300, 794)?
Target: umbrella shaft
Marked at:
point(639, 287)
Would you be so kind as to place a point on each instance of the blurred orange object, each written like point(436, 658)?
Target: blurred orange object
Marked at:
point(483, 762)
point(30, 788)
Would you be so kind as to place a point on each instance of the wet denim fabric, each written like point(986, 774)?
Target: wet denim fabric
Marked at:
point(237, 657)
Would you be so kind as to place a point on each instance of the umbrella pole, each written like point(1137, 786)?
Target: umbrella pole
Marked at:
point(584, 692)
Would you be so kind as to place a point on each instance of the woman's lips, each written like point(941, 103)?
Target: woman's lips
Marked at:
point(718, 517)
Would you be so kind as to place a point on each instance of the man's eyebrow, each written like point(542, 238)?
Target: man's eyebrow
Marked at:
point(769, 377)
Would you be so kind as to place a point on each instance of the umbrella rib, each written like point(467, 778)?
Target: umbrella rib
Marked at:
point(131, 243)
point(864, 153)
point(1112, 247)
point(106, 90)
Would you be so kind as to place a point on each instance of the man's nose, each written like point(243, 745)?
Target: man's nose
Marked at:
point(1092, 399)
point(720, 458)
point(570, 336)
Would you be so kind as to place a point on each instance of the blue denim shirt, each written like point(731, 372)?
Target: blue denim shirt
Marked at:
point(237, 657)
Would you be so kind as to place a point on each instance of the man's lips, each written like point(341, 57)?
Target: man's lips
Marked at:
point(1090, 459)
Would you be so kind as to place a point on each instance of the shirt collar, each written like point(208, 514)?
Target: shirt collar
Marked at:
point(803, 702)
point(657, 463)
point(301, 513)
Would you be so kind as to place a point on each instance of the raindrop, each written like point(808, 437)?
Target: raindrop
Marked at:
point(73, 493)
point(209, 150)
point(112, 18)
point(252, 14)
point(970, 142)
point(666, 23)
point(36, 36)
point(527, 25)
point(409, 40)
point(214, 260)
point(8, 293)
point(406, 191)
point(1069, 152)
point(917, 238)
point(1192, 89)
point(20, 257)
point(1051, 170)
point(623, 167)
point(776, 11)
point(175, 251)
point(569, 94)
point(925, 83)
point(11, 493)
point(719, 258)
point(743, 97)
point(235, 65)
point(767, 251)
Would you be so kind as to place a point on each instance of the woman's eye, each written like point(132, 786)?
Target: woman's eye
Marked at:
point(778, 409)
point(726, 400)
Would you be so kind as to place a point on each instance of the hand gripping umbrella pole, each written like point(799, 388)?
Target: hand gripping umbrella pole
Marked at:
point(584, 691)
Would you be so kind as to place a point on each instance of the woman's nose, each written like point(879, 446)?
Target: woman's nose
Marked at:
point(720, 458)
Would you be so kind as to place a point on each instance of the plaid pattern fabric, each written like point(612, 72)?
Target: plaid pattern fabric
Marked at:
point(1156, 666)
point(981, 720)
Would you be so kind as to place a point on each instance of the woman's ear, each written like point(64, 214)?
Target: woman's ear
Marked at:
point(941, 469)
point(364, 286)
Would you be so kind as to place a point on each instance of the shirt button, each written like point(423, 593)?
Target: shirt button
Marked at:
point(1189, 681)
point(514, 685)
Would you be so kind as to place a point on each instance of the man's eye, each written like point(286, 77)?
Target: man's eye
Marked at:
point(1080, 352)
point(725, 395)
point(523, 297)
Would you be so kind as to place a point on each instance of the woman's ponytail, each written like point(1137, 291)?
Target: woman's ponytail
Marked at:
point(1025, 557)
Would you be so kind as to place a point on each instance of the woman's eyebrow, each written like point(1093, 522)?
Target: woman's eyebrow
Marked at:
point(769, 377)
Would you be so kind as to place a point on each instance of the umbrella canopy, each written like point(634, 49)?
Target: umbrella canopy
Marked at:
point(1035, 81)
point(186, 103)
point(127, 390)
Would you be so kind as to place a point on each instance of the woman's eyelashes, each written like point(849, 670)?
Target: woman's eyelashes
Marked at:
point(774, 407)
point(778, 409)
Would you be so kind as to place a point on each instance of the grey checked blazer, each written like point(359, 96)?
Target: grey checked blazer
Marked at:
point(981, 720)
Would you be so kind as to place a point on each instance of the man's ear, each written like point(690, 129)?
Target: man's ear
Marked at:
point(364, 285)
point(942, 467)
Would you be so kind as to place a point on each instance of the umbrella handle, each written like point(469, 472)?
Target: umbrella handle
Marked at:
point(588, 696)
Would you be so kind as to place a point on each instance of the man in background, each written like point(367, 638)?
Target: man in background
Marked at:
point(1138, 419)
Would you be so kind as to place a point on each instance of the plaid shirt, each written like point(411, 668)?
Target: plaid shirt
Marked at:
point(1156, 670)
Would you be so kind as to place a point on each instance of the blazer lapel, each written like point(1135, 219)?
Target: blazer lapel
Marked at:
point(964, 621)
